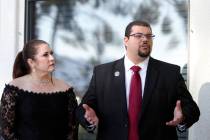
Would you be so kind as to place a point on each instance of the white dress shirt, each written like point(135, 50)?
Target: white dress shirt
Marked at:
point(128, 73)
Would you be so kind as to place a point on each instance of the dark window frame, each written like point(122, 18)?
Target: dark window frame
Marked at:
point(29, 28)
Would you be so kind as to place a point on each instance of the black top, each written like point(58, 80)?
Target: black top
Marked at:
point(38, 116)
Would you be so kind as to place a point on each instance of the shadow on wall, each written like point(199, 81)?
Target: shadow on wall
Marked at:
point(202, 127)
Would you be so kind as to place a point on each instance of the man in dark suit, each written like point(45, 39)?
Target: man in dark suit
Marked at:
point(163, 106)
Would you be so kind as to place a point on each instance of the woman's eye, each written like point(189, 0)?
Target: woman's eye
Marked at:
point(45, 54)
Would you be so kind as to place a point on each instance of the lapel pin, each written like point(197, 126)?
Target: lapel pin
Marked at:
point(117, 73)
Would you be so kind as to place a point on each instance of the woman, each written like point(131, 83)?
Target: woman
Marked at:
point(36, 105)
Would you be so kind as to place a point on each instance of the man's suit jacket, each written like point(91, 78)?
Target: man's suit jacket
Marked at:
point(164, 85)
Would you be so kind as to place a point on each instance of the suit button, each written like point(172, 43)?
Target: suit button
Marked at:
point(125, 125)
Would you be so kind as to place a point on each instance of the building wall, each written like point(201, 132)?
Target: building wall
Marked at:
point(199, 65)
point(11, 36)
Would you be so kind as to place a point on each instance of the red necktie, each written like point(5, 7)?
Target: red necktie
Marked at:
point(135, 100)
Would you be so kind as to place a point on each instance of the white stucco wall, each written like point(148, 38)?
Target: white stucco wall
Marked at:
point(11, 36)
point(199, 66)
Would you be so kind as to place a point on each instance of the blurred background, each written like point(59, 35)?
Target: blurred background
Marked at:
point(84, 33)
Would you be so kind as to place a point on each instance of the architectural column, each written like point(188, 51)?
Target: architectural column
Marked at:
point(199, 65)
point(11, 36)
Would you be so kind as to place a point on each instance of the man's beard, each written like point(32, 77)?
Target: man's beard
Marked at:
point(142, 54)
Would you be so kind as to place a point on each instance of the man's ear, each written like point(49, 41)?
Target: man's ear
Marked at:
point(126, 41)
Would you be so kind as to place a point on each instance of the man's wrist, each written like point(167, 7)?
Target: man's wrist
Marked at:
point(90, 128)
point(182, 127)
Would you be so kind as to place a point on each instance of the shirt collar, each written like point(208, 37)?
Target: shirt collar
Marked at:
point(128, 63)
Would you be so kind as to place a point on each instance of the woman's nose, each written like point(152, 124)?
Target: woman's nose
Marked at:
point(51, 57)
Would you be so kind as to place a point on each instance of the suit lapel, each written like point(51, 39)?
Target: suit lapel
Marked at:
point(151, 79)
point(119, 83)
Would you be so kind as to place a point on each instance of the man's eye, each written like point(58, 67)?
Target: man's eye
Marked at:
point(148, 36)
point(138, 35)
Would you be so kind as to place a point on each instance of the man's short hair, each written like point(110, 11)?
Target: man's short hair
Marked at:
point(135, 23)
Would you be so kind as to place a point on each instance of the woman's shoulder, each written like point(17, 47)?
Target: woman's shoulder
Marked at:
point(24, 84)
point(61, 84)
point(13, 87)
point(18, 82)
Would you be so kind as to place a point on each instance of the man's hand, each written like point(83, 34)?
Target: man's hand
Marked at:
point(90, 115)
point(178, 116)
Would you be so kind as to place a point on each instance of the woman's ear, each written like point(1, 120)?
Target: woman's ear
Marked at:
point(30, 62)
